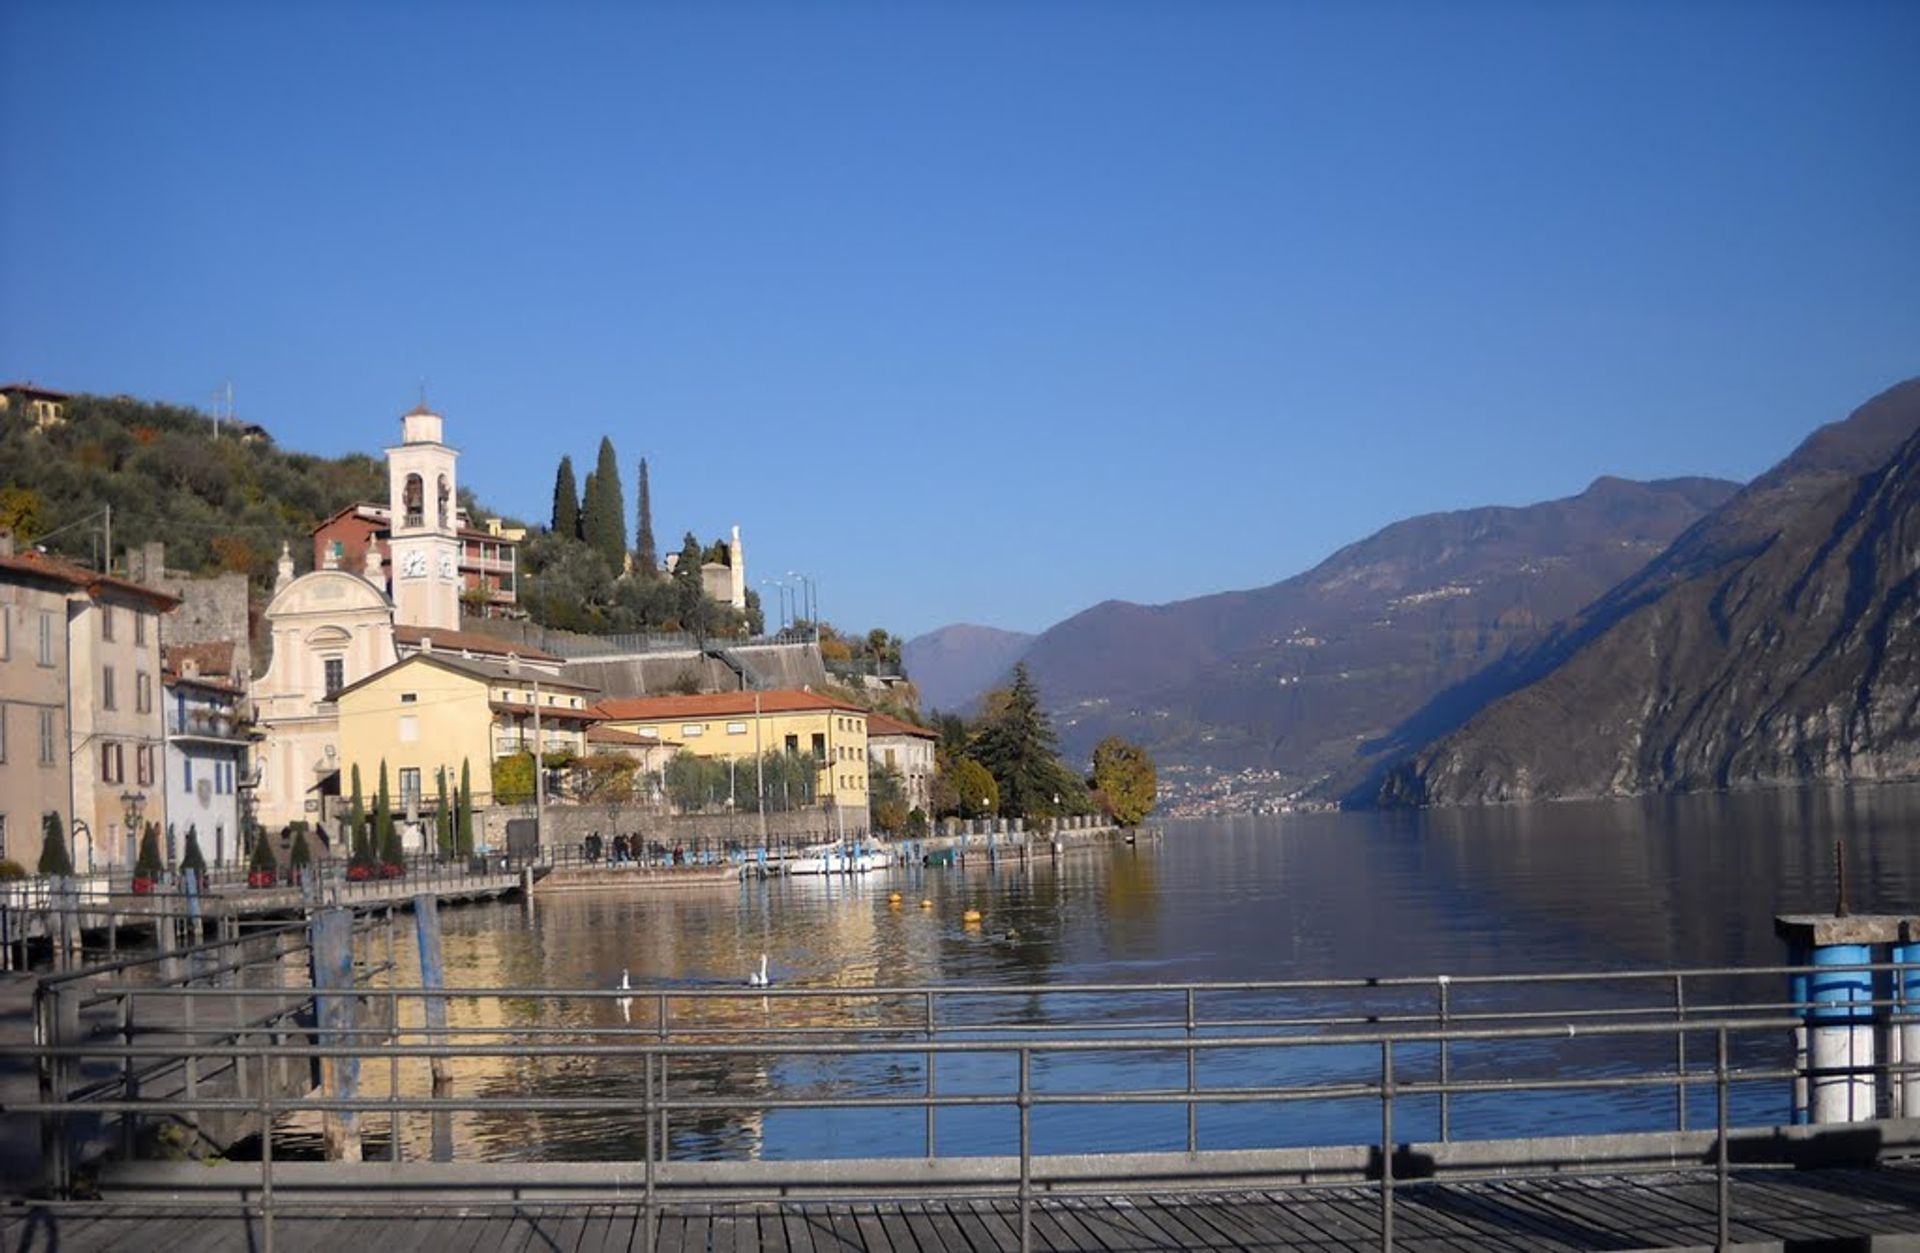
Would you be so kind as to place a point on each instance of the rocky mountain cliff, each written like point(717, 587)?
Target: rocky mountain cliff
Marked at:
point(1307, 677)
point(955, 664)
point(1772, 643)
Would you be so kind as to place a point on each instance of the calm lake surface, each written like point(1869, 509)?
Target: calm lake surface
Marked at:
point(1573, 888)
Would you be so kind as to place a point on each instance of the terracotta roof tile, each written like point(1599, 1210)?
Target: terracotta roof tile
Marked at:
point(468, 641)
point(880, 724)
point(717, 705)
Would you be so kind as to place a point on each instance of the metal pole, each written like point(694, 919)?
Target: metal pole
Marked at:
point(1193, 1121)
point(266, 1154)
point(1720, 1154)
point(1446, 1067)
point(930, 1029)
point(539, 776)
point(1386, 1144)
point(646, 1109)
point(1680, 1048)
point(1026, 1150)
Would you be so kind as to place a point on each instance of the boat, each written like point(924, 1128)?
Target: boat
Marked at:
point(835, 857)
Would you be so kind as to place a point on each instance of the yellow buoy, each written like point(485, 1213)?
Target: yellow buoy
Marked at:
point(894, 897)
point(972, 915)
point(926, 904)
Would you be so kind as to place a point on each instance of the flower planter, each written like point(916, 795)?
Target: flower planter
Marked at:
point(391, 871)
point(260, 878)
point(143, 887)
point(360, 874)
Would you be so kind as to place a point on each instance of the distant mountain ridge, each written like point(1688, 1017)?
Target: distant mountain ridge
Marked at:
point(1309, 677)
point(1771, 643)
point(955, 664)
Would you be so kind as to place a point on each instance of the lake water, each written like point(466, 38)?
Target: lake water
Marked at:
point(1572, 888)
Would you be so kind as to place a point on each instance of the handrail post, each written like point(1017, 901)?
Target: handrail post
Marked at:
point(1446, 1063)
point(1386, 1143)
point(1720, 1154)
point(661, 1118)
point(1193, 1118)
point(646, 1112)
point(1026, 1149)
point(1680, 1048)
point(930, 1089)
point(393, 1068)
point(129, 1080)
point(266, 1153)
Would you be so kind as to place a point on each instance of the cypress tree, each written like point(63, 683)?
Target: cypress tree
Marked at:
point(382, 818)
point(148, 865)
point(443, 833)
point(603, 520)
point(566, 500)
point(53, 847)
point(589, 500)
point(463, 832)
point(192, 858)
point(648, 554)
point(357, 822)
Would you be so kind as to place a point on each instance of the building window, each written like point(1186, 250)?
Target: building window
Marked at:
point(46, 737)
point(408, 698)
point(339, 547)
point(106, 687)
point(142, 690)
point(793, 745)
point(819, 746)
point(736, 728)
point(106, 622)
point(143, 764)
point(889, 759)
point(693, 729)
point(139, 629)
point(409, 728)
point(336, 671)
point(6, 634)
point(3, 837)
point(46, 637)
point(410, 788)
point(3, 731)
point(110, 763)
point(188, 763)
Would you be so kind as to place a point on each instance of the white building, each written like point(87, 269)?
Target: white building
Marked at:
point(206, 752)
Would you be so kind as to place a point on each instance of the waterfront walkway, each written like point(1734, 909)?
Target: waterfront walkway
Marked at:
point(1875, 1208)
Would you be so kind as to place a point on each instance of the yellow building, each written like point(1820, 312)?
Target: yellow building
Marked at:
point(744, 724)
point(434, 711)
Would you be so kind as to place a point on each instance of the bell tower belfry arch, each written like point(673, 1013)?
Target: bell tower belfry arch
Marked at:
point(425, 530)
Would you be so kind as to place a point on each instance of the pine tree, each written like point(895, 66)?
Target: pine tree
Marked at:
point(463, 831)
point(603, 519)
point(53, 847)
point(648, 555)
point(1017, 747)
point(566, 500)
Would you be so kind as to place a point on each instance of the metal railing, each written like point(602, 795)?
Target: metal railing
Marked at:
point(1398, 1040)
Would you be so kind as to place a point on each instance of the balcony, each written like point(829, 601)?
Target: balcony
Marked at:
point(206, 725)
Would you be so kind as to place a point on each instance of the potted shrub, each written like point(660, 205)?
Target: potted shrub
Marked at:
point(147, 867)
point(300, 858)
point(261, 870)
point(193, 859)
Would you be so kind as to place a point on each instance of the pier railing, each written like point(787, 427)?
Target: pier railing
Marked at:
point(1433, 1077)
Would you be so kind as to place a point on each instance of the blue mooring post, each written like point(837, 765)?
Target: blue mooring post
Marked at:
point(1839, 1076)
point(1906, 1038)
point(1799, 993)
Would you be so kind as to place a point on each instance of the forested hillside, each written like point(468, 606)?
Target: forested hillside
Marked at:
point(218, 501)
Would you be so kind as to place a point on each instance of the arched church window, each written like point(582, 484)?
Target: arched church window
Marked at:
point(413, 501)
point(444, 494)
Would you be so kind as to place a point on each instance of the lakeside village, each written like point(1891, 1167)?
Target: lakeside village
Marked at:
point(387, 705)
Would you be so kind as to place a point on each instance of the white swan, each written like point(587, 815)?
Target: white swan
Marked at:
point(758, 978)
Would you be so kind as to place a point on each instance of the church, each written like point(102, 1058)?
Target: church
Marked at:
point(333, 628)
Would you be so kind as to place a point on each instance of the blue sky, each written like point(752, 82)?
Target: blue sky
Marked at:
point(983, 312)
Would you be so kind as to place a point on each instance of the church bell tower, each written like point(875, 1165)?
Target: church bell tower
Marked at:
point(424, 530)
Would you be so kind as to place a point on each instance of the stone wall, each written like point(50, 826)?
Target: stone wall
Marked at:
point(213, 607)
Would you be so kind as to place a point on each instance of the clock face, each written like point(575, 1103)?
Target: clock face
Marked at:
point(446, 565)
point(414, 564)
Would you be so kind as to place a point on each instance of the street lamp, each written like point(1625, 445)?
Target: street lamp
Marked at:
point(133, 804)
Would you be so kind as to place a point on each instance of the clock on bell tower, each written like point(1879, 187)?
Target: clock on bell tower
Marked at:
point(424, 530)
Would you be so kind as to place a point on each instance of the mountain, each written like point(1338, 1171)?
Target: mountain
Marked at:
point(1771, 644)
point(955, 664)
point(1306, 678)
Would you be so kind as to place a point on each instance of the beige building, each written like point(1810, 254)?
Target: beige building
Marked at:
point(36, 776)
point(435, 712)
point(909, 750)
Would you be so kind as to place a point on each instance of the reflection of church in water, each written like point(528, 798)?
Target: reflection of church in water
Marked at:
point(333, 626)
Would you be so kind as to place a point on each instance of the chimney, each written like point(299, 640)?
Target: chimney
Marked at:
point(426, 643)
point(513, 663)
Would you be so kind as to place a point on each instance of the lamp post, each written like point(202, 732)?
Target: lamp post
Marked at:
point(810, 599)
point(780, 590)
point(133, 804)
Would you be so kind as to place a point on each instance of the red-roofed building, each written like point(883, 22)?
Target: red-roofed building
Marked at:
point(488, 561)
point(908, 750)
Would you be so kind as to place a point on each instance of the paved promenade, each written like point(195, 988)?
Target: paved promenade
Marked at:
point(1876, 1209)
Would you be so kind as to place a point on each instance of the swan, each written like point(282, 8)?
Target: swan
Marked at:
point(758, 978)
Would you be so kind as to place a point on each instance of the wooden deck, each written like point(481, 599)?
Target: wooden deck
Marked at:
point(1866, 1208)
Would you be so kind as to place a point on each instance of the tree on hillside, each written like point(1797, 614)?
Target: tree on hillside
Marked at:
point(53, 847)
point(691, 605)
point(566, 500)
point(648, 555)
point(1124, 780)
point(603, 515)
point(1016, 744)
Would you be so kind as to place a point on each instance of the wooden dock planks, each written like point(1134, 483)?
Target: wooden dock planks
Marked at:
point(1675, 1209)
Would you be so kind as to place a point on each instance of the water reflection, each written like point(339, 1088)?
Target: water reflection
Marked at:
point(1575, 887)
